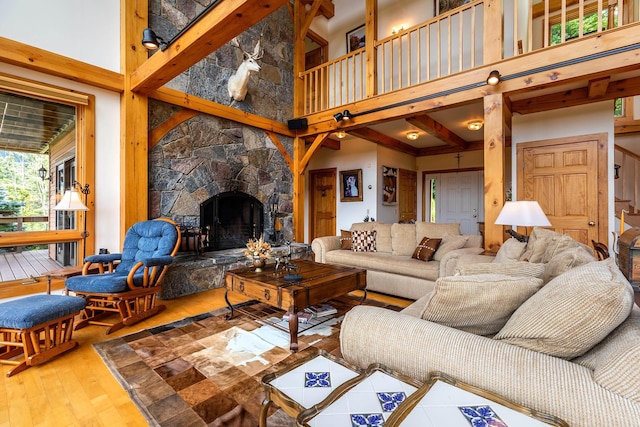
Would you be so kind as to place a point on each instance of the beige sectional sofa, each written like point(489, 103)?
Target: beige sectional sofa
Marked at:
point(568, 346)
point(391, 268)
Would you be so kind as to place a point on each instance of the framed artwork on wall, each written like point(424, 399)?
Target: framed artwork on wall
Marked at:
point(446, 5)
point(390, 185)
point(351, 185)
point(356, 38)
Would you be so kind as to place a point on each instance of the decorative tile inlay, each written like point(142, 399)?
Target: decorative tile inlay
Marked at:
point(367, 420)
point(317, 379)
point(389, 401)
point(482, 416)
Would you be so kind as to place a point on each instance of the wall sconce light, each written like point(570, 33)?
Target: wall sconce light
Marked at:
point(152, 41)
point(42, 173)
point(494, 78)
point(396, 30)
point(616, 167)
point(475, 125)
point(345, 115)
point(341, 134)
point(412, 135)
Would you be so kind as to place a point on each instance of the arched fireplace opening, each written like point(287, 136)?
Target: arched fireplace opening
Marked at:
point(230, 219)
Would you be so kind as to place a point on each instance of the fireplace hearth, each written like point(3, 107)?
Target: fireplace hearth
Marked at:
point(230, 219)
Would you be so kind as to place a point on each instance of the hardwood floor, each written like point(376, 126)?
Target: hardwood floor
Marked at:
point(77, 389)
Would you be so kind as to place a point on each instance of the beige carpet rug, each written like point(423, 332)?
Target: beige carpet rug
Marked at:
point(207, 371)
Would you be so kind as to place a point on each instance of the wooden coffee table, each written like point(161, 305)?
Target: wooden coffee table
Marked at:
point(318, 283)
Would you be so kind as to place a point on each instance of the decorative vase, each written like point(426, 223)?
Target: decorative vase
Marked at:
point(258, 263)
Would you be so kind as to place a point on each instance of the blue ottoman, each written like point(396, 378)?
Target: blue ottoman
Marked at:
point(38, 327)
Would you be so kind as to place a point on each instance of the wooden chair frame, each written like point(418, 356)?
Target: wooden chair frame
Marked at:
point(132, 306)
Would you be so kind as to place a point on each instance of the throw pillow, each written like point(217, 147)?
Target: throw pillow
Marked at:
point(479, 304)
point(565, 261)
point(449, 243)
point(514, 269)
point(363, 241)
point(573, 312)
point(510, 251)
point(425, 250)
point(403, 239)
point(345, 240)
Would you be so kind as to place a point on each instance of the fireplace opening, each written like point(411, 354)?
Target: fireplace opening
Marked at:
point(230, 219)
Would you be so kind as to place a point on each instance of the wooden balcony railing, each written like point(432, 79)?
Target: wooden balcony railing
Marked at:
point(455, 41)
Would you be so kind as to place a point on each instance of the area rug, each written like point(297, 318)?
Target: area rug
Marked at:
point(206, 371)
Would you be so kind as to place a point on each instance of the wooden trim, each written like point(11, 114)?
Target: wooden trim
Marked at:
point(33, 58)
point(85, 163)
point(165, 127)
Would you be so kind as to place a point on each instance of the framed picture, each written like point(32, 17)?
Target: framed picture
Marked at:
point(356, 38)
point(390, 185)
point(351, 185)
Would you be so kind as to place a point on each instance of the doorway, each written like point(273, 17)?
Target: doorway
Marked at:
point(322, 203)
point(407, 195)
point(568, 178)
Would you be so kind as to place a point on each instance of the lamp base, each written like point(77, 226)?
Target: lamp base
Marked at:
point(519, 237)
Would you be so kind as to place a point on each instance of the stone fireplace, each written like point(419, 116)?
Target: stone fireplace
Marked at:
point(230, 219)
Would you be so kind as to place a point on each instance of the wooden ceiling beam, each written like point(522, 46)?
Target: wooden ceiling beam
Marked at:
point(437, 130)
point(212, 31)
point(382, 139)
point(598, 87)
point(571, 98)
point(326, 7)
point(471, 146)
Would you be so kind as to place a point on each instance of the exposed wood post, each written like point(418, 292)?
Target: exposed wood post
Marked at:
point(134, 119)
point(371, 35)
point(492, 31)
point(494, 152)
point(298, 57)
point(298, 189)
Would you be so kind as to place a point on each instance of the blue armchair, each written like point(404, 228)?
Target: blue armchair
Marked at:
point(127, 283)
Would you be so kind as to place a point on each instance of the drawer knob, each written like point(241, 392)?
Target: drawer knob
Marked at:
point(267, 294)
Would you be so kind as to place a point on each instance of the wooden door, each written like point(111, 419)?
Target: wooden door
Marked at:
point(568, 178)
point(322, 203)
point(407, 195)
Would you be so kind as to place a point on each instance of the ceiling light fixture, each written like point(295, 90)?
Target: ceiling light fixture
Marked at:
point(341, 134)
point(345, 115)
point(412, 135)
point(494, 78)
point(475, 125)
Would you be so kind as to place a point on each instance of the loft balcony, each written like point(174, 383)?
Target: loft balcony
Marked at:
point(478, 34)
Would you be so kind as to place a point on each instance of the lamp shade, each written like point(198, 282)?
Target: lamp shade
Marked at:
point(526, 213)
point(71, 202)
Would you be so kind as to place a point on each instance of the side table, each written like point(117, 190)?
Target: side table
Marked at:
point(305, 383)
point(445, 401)
point(64, 273)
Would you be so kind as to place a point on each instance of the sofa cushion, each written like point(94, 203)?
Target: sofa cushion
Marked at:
point(425, 250)
point(435, 229)
point(612, 359)
point(519, 268)
point(383, 237)
point(449, 243)
point(565, 261)
point(363, 241)
point(345, 240)
point(403, 239)
point(573, 312)
point(380, 261)
point(510, 251)
point(479, 304)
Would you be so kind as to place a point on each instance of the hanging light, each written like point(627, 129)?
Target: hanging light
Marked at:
point(475, 125)
point(412, 136)
point(341, 134)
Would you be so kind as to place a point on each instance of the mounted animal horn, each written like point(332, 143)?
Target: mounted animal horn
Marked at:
point(238, 82)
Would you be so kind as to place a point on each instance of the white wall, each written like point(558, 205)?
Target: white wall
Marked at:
point(394, 159)
point(88, 31)
point(581, 120)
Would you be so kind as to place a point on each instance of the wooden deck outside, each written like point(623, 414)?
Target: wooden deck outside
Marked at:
point(25, 265)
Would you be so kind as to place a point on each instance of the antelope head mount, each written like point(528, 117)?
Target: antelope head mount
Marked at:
point(238, 82)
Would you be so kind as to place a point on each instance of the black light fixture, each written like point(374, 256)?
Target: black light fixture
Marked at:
point(152, 41)
point(42, 173)
point(616, 167)
point(345, 115)
point(494, 78)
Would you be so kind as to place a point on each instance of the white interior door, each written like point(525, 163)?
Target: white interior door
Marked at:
point(458, 200)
